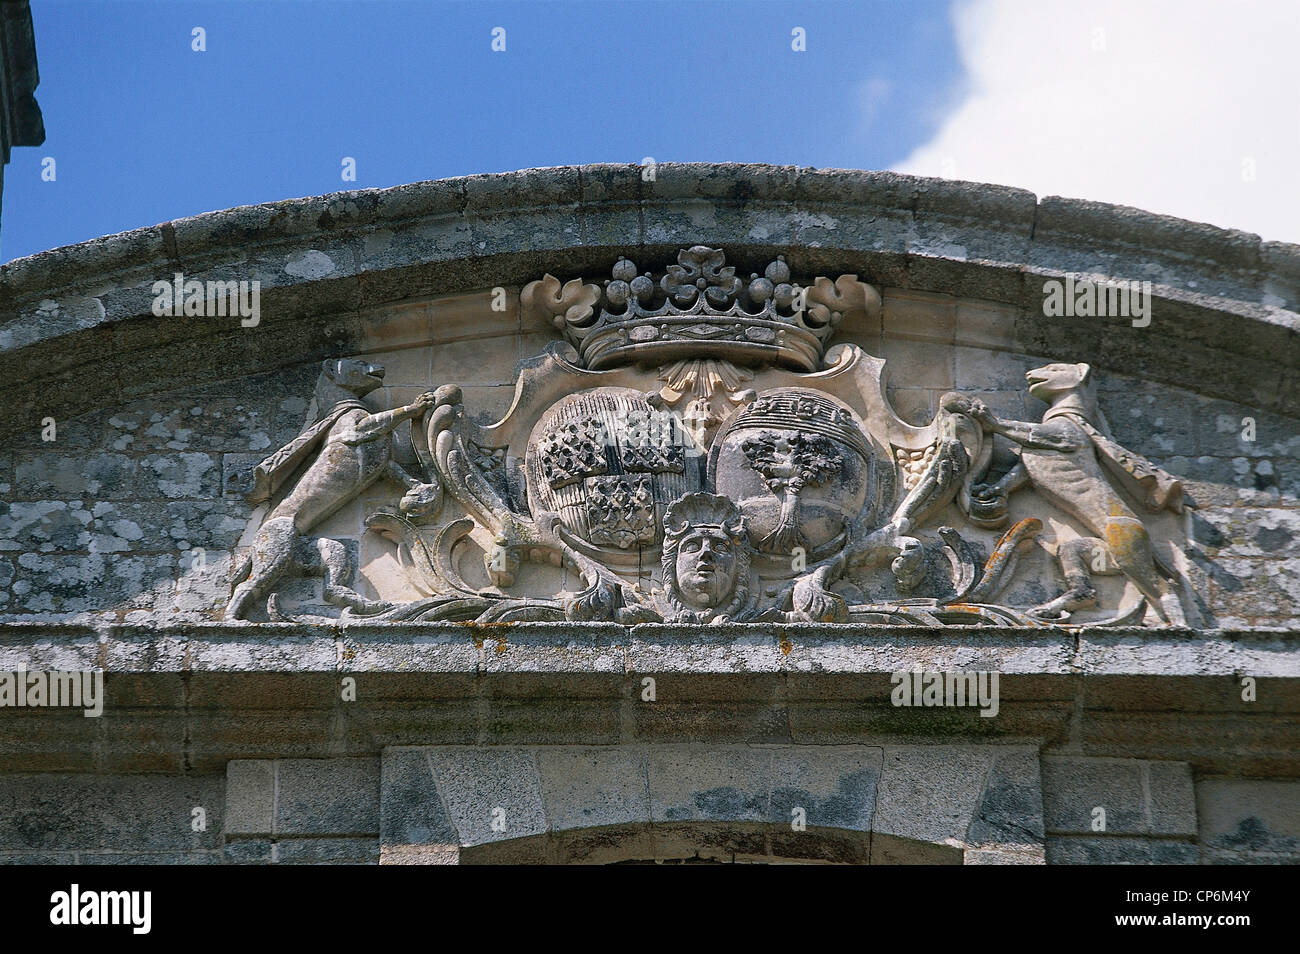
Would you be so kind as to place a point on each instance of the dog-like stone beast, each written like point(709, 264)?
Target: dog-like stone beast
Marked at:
point(1069, 458)
point(329, 464)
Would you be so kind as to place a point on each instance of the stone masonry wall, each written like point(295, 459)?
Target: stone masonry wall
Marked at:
point(575, 803)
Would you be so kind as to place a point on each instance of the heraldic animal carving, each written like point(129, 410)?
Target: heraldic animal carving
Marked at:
point(345, 451)
point(1066, 459)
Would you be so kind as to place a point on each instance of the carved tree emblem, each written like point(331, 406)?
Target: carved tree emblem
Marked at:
point(788, 462)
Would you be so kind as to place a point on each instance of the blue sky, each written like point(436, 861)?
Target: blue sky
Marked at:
point(1184, 107)
point(143, 129)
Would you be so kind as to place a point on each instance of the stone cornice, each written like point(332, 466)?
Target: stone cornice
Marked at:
point(76, 330)
point(605, 648)
point(189, 698)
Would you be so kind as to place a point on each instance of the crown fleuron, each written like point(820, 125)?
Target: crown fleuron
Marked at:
point(699, 308)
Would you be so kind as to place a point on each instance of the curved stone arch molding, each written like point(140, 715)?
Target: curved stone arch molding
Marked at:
point(77, 333)
point(880, 804)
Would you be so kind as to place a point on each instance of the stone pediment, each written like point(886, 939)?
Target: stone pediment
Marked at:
point(840, 355)
point(693, 447)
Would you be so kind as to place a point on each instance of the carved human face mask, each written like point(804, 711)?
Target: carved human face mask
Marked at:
point(706, 569)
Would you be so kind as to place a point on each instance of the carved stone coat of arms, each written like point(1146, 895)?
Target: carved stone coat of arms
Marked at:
point(693, 448)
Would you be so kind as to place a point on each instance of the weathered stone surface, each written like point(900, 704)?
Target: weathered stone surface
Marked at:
point(1171, 798)
point(250, 796)
point(1010, 812)
point(1137, 797)
point(327, 851)
point(86, 813)
point(327, 796)
point(1249, 820)
point(593, 787)
point(617, 802)
point(930, 793)
point(149, 858)
point(727, 784)
point(1125, 850)
point(411, 811)
point(483, 788)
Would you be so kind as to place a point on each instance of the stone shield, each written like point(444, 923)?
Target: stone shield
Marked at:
point(798, 464)
point(608, 464)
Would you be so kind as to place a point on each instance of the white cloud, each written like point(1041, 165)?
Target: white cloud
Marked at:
point(1167, 105)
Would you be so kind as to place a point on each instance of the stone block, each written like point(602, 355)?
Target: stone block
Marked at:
point(237, 473)
point(757, 723)
point(150, 858)
point(109, 812)
point(1171, 798)
point(178, 474)
point(251, 851)
point(1255, 591)
point(327, 796)
point(978, 369)
point(913, 316)
point(929, 793)
point(327, 851)
point(1258, 818)
point(250, 797)
point(985, 325)
point(410, 809)
point(573, 721)
point(491, 794)
point(1010, 810)
point(917, 364)
point(1139, 797)
point(81, 583)
point(205, 421)
point(593, 786)
point(397, 335)
point(1124, 850)
point(1256, 532)
point(98, 476)
point(688, 784)
point(834, 786)
point(1074, 787)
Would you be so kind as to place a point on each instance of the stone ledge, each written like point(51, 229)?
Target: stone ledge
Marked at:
point(607, 648)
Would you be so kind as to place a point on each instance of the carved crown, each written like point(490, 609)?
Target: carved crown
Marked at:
point(699, 308)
